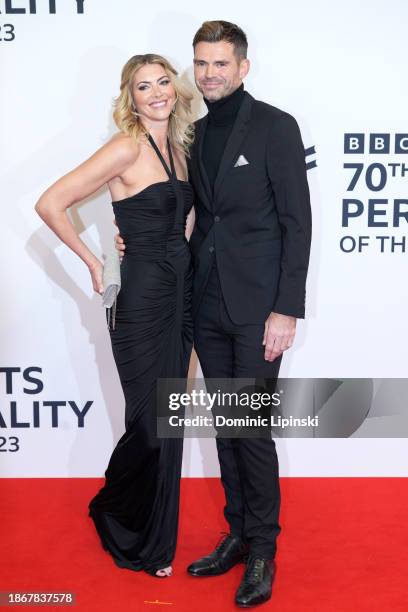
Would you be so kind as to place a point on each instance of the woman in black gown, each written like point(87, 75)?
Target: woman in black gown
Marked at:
point(136, 511)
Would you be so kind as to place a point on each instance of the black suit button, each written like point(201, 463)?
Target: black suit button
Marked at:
point(211, 249)
point(216, 219)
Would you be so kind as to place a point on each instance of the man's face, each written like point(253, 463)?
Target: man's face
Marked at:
point(217, 71)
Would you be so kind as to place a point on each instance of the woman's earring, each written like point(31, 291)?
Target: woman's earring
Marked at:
point(173, 110)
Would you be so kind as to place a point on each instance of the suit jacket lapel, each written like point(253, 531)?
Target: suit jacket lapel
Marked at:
point(235, 139)
point(200, 178)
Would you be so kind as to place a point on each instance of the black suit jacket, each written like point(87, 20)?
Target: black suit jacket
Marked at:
point(257, 223)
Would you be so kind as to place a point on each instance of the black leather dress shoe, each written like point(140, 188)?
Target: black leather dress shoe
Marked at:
point(230, 551)
point(256, 585)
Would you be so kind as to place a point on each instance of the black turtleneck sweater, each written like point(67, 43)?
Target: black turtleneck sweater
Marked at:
point(221, 117)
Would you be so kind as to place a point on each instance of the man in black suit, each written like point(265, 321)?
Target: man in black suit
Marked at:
point(250, 249)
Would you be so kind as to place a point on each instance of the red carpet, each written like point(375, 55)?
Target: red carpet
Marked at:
point(343, 547)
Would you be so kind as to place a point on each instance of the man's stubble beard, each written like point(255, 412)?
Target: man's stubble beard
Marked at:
point(218, 95)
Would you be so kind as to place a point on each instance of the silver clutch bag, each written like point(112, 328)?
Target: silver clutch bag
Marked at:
point(111, 282)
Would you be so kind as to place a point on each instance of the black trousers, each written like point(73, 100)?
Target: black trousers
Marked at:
point(249, 466)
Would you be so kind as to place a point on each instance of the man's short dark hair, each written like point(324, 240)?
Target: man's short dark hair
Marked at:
point(217, 31)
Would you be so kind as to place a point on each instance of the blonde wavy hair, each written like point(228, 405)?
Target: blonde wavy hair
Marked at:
point(181, 130)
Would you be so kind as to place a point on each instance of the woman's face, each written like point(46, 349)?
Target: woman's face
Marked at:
point(153, 93)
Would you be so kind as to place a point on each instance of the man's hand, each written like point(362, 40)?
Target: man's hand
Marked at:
point(119, 243)
point(279, 334)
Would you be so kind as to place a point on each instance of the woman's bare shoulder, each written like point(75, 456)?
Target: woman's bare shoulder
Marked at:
point(124, 147)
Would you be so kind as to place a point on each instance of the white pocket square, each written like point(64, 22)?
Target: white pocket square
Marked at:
point(241, 161)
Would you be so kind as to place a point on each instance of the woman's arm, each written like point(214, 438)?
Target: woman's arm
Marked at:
point(190, 223)
point(109, 161)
